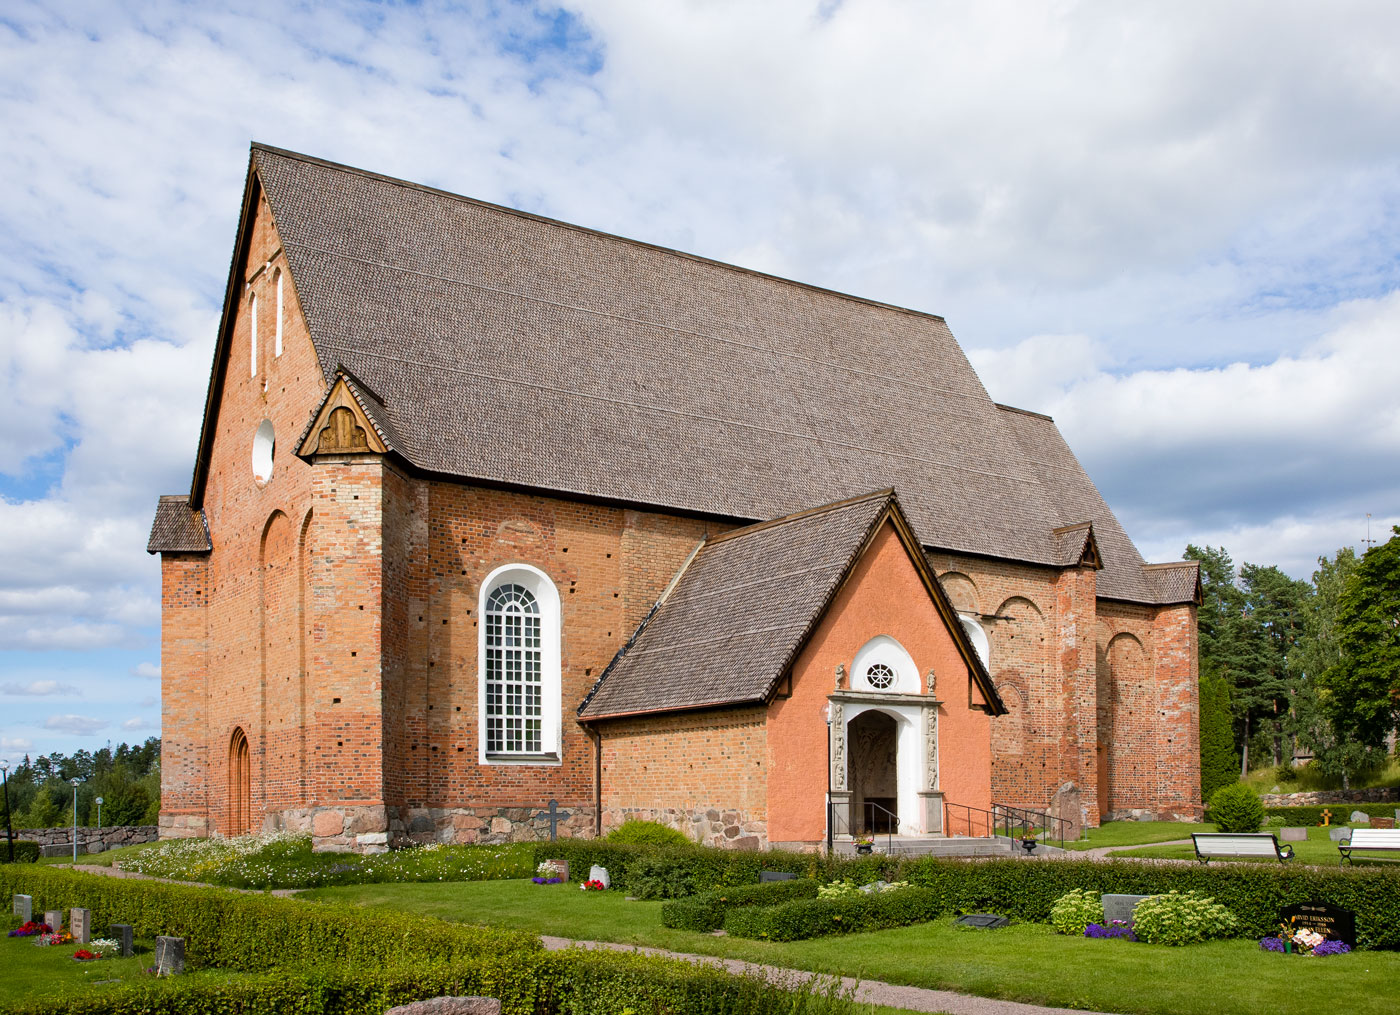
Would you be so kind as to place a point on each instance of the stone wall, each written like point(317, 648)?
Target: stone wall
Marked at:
point(1377, 795)
point(96, 839)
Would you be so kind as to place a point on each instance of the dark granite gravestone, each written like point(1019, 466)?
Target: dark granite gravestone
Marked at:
point(24, 907)
point(1332, 922)
point(170, 956)
point(983, 921)
point(123, 934)
point(774, 876)
point(1120, 908)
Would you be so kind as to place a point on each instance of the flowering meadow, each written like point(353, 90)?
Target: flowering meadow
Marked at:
point(285, 860)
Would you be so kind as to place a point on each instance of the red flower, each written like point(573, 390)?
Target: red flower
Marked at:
point(83, 955)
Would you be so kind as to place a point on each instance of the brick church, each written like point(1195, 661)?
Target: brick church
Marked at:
point(490, 510)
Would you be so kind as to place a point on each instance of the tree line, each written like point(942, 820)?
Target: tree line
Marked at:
point(1288, 665)
point(127, 779)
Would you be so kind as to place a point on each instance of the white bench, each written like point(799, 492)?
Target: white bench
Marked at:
point(1369, 838)
point(1261, 844)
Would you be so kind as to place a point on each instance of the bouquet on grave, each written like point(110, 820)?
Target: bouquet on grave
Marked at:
point(61, 938)
point(592, 885)
point(30, 928)
point(550, 872)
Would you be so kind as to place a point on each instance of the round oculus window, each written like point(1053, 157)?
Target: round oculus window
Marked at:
point(880, 676)
point(264, 441)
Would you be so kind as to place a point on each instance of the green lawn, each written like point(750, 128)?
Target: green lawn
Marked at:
point(1132, 833)
point(1027, 962)
point(1318, 850)
point(99, 859)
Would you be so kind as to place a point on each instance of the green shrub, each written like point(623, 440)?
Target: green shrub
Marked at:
point(706, 912)
point(25, 851)
point(848, 914)
point(1074, 911)
point(647, 833)
point(254, 932)
point(1177, 919)
point(1236, 808)
point(659, 877)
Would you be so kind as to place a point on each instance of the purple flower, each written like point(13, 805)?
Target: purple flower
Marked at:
point(1118, 930)
point(1271, 944)
point(1332, 948)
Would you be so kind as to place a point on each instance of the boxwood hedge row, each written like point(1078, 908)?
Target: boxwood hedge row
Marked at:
point(25, 851)
point(706, 912)
point(1312, 815)
point(846, 914)
point(251, 932)
point(527, 983)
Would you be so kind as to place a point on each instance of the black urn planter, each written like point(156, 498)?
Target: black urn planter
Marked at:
point(865, 848)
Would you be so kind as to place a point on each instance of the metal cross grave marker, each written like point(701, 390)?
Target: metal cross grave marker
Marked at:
point(555, 815)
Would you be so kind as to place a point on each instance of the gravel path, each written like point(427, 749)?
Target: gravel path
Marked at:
point(866, 991)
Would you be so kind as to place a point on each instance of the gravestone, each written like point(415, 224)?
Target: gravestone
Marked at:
point(596, 873)
point(1120, 908)
point(449, 1006)
point(170, 956)
point(1067, 804)
point(774, 876)
point(123, 935)
point(80, 925)
point(24, 907)
point(1292, 835)
point(554, 815)
point(1332, 922)
point(1338, 833)
point(1382, 822)
point(54, 918)
point(1361, 818)
point(983, 921)
point(563, 866)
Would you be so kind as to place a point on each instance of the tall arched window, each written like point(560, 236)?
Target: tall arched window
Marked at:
point(978, 636)
point(240, 784)
point(520, 691)
point(253, 334)
point(277, 327)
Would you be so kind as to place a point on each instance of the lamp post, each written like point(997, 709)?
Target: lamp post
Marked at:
point(99, 815)
point(9, 832)
point(75, 782)
point(826, 714)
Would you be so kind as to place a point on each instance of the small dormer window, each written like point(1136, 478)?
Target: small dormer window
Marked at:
point(880, 677)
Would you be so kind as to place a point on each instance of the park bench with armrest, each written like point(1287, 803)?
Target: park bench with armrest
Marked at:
point(1247, 844)
point(1370, 838)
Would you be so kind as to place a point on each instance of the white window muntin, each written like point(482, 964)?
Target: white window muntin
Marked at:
point(518, 666)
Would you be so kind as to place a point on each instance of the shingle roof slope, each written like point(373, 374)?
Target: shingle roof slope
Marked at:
point(737, 614)
point(177, 529)
point(633, 373)
point(1177, 581)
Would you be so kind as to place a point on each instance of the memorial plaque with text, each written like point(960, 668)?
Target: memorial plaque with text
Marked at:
point(1332, 922)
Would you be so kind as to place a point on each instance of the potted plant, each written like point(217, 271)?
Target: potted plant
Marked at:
point(1028, 840)
point(864, 843)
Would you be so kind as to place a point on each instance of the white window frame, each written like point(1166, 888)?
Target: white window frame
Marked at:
point(882, 650)
point(977, 634)
point(551, 684)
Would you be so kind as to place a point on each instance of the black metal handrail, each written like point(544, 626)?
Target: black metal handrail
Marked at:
point(891, 822)
point(1005, 820)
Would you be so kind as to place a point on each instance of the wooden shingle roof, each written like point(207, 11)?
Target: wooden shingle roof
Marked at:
point(177, 528)
point(515, 350)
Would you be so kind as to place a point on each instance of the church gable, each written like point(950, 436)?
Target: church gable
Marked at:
point(345, 423)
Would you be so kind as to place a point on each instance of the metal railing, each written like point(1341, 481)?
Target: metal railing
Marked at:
point(841, 823)
point(1002, 819)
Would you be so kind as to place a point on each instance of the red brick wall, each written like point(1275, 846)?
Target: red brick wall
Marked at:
point(184, 652)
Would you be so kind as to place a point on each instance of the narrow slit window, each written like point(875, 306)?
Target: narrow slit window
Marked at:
point(277, 328)
point(253, 335)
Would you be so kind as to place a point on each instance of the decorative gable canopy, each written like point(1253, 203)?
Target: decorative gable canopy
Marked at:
point(734, 619)
point(351, 419)
point(177, 528)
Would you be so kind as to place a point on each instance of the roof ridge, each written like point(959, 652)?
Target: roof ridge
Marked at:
point(812, 512)
point(1024, 412)
point(258, 146)
point(1172, 563)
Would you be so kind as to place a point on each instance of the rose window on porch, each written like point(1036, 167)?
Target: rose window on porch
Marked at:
point(879, 676)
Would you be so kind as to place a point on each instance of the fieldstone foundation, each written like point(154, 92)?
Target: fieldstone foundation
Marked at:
point(709, 826)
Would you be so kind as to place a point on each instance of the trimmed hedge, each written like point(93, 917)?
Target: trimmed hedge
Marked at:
point(527, 983)
point(708, 868)
point(1252, 892)
point(846, 914)
point(253, 932)
point(1312, 815)
point(25, 851)
point(706, 912)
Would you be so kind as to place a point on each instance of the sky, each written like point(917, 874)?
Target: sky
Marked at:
point(1175, 227)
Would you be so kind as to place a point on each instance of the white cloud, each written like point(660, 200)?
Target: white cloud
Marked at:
point(78, 725)
point(140, 724)
point(15, 745)
point(39, 688)
point(151, 671)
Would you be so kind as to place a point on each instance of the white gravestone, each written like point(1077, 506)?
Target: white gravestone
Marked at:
point(596, 873)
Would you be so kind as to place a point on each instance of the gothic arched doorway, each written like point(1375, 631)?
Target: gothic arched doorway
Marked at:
point(240, 781)
point(873, 738)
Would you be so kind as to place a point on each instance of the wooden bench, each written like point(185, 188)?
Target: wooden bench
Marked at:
point(1261, 844)
point(1370, 838)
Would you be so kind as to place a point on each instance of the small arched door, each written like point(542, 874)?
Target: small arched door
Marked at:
point(239, 784)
